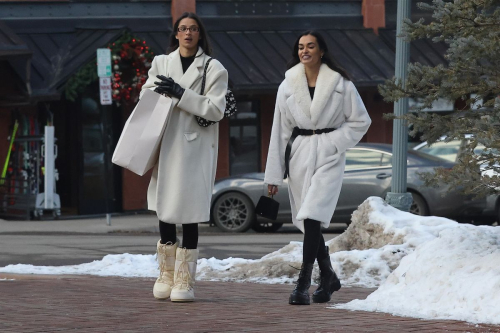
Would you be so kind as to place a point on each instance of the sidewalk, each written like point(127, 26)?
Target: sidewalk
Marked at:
point(109, 304)
point(126, 223)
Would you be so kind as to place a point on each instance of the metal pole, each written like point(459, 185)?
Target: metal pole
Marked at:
point(49, 167)
point(104, 136)
point(399, 197)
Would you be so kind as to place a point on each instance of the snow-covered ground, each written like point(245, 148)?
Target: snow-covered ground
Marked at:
point(425, 267)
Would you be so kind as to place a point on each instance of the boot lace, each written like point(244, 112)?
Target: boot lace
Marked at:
point(161, 256)
point(184, 279)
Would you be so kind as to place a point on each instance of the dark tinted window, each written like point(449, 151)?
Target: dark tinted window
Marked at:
point(244, 148)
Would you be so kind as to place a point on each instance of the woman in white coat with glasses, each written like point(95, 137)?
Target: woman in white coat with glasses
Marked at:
point(181, 186)
point(318, 116)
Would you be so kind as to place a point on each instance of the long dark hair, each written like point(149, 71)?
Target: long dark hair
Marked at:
point(203, 42)
point(327, 57)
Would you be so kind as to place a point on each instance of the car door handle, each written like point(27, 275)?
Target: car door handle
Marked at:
point(383, 175)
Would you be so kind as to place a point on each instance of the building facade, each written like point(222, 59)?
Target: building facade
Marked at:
point(43, 44)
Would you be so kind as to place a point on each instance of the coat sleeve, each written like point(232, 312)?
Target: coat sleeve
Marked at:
point(280, 134)
point(211, 106)
point(356, 122)
point(153, 71)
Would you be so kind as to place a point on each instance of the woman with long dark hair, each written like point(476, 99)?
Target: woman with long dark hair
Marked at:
point(318, 116)
point(181, 185)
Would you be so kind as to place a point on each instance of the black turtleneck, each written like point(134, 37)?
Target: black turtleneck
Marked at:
point(311, 91)
point(186, 62)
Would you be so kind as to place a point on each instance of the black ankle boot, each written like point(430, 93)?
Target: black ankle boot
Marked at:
point(300, 295)
point(329, 282)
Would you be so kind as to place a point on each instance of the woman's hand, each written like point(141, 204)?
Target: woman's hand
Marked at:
point(168, 86)
point(272, 189)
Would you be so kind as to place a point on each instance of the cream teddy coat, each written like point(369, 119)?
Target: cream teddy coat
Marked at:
point(317, 162)
point(180, 189)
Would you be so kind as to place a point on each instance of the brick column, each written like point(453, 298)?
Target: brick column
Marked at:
point(373, 12)
point(223, 156)
point(181, 6)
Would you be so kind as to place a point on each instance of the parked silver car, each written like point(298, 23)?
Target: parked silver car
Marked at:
point(451, 151)
point(367, 173)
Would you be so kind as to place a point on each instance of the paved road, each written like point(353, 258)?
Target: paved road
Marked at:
point(76, 248)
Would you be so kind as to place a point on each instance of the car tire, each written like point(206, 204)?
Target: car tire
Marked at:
point(266, 226)
point(233, 212)
point(419, 206)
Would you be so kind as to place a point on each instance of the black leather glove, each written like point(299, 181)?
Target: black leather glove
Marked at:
point(168, 86)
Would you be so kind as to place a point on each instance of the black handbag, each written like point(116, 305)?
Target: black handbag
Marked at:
point(230, 101)
point(267, 207)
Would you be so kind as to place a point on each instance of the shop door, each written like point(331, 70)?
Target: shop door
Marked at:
point(99, 184)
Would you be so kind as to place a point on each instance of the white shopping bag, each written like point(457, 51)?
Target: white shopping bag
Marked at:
point(139, 144)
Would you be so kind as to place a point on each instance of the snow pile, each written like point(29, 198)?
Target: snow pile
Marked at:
point(377, 239)
point(370, 249)
point(278, 267)
point(126, 265)
point(454, 276)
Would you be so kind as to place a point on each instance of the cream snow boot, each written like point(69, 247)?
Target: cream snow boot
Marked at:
point(184, 277)
point(165, 254)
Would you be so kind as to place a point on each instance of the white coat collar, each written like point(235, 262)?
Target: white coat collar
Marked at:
point(326, 83)
point(193, 73)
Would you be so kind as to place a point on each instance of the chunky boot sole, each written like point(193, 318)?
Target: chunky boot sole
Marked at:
point(299, 300)
point(326, 297)
point(182, 300)
point(177, 296)
point(161, 298)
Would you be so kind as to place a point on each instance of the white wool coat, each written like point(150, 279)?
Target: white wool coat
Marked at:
point(180, 190)
point(317, 162)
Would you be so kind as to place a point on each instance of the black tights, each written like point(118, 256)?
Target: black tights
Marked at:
point(314, 243)
point(168, 233)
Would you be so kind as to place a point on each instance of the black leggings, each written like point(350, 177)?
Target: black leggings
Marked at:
point(314, 243)
point(168, 233)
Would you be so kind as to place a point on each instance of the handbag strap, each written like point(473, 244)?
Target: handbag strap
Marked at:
point(205, 76)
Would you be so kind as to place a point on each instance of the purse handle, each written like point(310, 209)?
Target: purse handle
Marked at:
point(205, 76)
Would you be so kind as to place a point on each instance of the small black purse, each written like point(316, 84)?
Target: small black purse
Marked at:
point(267, 207)
point(230, 101)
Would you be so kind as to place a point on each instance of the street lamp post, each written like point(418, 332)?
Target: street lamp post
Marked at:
point(399, 197)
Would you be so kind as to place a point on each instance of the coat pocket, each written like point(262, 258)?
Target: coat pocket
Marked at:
point(190, 136)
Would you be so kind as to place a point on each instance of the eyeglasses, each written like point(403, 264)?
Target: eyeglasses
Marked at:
point(185, 29)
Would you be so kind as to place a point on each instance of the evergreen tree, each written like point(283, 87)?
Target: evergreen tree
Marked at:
point(471, 31)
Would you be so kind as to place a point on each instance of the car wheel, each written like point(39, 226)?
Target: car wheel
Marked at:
point(418, 206)
point(266, 226)
point(233, 212)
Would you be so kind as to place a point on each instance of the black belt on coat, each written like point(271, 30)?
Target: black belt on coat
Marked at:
point(295, 133)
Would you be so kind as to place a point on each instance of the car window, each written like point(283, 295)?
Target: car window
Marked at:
point(479, 150)
point(386, 160)
point(445, 150)
point(362, 159)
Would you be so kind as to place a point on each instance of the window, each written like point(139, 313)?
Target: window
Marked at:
point(244, 139)
point(386, 160)
point(364, 159)
point(445, 150)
